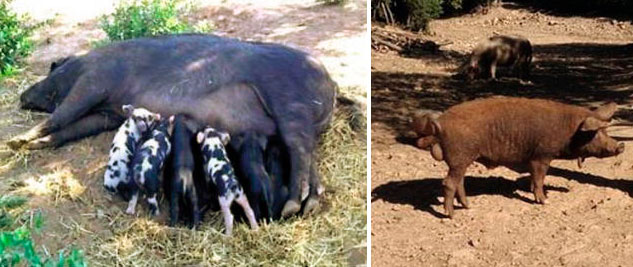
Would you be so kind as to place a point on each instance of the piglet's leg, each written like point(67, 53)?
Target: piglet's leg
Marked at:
point(193, 198)
point(131, 206)
point(225, 207)
point(174, 202)
point(153, 205)
point(87, 126)
point(243, 201)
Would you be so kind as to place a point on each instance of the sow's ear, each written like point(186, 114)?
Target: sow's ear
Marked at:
point(200, 137)
point(128, 110)
point(58, 63)
point(593, 124)
point(605, 112)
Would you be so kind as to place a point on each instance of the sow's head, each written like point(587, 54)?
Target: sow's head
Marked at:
point(591, 139)
point(47, 94)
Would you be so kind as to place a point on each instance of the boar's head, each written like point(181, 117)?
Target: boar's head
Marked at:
point(47, 94)
point(591, 139)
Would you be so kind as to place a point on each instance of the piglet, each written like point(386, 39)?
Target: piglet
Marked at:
point(218, 170)
point(180, 173)
point(147, 164)
point(124, 145)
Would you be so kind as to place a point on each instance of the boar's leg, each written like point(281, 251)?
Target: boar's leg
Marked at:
point(538, 170)
point(87, 126)
point(82, 97)
point(461, 194)
point(451, 183)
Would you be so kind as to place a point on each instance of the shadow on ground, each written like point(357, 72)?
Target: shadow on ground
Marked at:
point(423, 193)
point(576, 73)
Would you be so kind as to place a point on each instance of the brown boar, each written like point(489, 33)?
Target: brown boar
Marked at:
point(519, 133)
point(514, 52)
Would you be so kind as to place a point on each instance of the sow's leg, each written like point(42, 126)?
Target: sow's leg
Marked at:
point(538, 170)
point(87, 126)
point(451, 184)
point(316, 189)
point(300, 143)
point(82, 97)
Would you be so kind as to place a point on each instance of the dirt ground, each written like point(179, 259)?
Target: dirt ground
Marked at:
point(79, 212)
point(588, 220)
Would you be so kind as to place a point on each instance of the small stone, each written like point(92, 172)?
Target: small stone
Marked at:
point(100, 213)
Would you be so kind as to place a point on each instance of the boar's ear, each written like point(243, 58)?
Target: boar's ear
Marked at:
point(593, 124)
point(200, 137)
point(605, 112)
point(128, 110)
point(425, 123)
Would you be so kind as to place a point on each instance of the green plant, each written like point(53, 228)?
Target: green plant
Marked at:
point(132, 19)
point(17, 245)
point(413, 14)
point(15, 43)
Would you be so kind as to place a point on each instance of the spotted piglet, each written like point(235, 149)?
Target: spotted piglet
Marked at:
point(218, 170)
point(139, 120)
point(147, 164)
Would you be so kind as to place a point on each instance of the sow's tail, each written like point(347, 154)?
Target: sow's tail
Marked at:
point(355, 110)
point(427, 127)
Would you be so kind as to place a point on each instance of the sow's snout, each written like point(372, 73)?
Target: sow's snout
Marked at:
point(36, 99)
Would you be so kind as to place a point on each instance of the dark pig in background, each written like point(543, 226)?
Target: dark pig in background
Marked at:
point(230, 84)
point(521, 134)
point(506, 51)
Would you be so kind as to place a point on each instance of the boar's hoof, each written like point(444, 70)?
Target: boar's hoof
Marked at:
point(290, 208)
point(312, 206)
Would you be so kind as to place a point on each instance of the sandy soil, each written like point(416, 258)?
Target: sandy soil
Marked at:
point(588, 220)
point(332, 33)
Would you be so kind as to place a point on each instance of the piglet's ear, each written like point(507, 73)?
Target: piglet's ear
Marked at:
point(157, 116)
point(593, 124)
point(224, 137)
point(128, 110)
point(171, 119)
point(200, 137)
